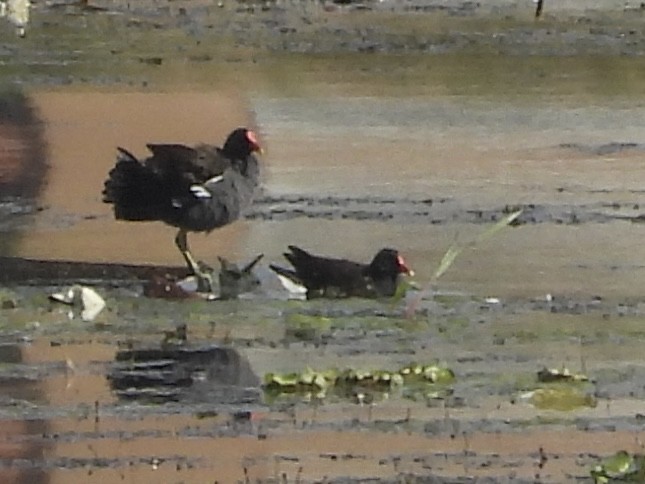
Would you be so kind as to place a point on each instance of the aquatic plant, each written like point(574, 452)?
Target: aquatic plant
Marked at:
point(353, 381)
point(620, 467)
point(562, 398)
point(449, 258)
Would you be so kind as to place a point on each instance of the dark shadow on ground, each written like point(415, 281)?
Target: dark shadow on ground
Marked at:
point(18, 270)
point(23, 164)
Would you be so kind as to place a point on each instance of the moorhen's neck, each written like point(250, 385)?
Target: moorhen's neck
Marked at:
point(384, 265)
point(234, 152)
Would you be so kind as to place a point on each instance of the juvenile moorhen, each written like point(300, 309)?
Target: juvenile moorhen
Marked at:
point(195, 189)
point(327, 277)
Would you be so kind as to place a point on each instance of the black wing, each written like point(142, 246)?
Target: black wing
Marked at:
point(193, 165)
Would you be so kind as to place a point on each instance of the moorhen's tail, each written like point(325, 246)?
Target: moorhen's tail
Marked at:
point(298, 257)
point(136, 191)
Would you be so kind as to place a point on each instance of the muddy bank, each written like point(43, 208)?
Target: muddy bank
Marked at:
point(436, 212)
point(116, 43)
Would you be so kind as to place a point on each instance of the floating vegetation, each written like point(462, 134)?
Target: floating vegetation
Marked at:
point(563, 391)
point(8, 300)
point(304, 327)
point(563, 398)
point(352, 382)
point(550, 375)
point(620, 467)
point(306, 382)
point(428, 373)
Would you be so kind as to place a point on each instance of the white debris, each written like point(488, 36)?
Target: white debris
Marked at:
point(17, 13)
point(492, 300)
point(83, 299)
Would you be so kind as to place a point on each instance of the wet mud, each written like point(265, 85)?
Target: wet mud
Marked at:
point(416, 125)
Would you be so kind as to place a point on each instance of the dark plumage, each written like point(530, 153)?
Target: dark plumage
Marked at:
point(327, 277)
point(195, 189)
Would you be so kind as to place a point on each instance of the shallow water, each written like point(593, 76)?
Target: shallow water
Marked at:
point(353, 164)
point(460, 154)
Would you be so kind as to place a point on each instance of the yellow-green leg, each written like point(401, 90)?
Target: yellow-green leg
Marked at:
point(204, 277)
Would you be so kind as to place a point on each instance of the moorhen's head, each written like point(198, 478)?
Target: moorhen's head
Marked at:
point(241, 143)
point(389, 262)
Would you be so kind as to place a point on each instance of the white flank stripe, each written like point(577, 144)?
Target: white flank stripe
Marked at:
point(200, 192)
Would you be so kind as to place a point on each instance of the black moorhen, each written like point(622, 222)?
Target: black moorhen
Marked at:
point(195, 189)
point(327, 277)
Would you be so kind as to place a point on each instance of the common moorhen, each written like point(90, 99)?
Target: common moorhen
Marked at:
point(328, 277)
point(195, 189)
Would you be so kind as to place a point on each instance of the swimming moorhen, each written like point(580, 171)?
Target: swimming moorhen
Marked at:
point(327, 277)
point(195, 189)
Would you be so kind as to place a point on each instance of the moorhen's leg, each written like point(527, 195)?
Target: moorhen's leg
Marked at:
point(204, 278)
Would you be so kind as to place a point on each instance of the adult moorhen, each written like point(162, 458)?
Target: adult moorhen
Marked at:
point(328, 277)
point(195, 189)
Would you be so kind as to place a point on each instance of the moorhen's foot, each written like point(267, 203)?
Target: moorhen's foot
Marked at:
point(204, 277)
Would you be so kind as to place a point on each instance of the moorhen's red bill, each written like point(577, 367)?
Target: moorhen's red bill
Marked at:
point(196, 189)
point(329, 277)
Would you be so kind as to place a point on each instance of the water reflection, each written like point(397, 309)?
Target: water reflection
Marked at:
point(184, 372)
point(429, 146)
point(476, 151)
point(17, 391)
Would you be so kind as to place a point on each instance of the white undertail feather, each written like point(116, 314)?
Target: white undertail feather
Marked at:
point(292, 287)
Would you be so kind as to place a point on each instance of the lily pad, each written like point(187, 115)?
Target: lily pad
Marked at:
point(620, 467)
point(428, 373)
point(351, 382)
point(560, 398)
